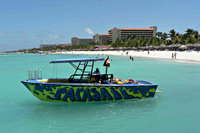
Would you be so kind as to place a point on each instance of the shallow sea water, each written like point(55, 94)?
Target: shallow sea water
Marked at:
point(175, 110)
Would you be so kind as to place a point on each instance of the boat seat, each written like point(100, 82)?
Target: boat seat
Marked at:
point(95, 78)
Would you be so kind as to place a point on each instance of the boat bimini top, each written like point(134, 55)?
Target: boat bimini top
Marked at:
point(82, 72)
point(76, 60)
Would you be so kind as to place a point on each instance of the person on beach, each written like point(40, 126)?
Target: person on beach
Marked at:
point(175, 55)
point(172, 55)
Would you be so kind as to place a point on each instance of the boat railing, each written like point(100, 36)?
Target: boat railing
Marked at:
point(99, 77)
point(34, 74)
point(106, 77)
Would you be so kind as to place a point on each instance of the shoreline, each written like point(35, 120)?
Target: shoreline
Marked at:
point(181, 56)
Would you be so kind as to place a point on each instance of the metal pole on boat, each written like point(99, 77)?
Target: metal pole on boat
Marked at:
point(107, 64)
point(106, 69)
point(40, 73)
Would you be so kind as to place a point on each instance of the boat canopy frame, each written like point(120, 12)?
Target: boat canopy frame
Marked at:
point(82, 62)
point(77, 60)
point(83, 70)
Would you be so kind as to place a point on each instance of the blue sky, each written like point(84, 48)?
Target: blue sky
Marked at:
point(25, 23)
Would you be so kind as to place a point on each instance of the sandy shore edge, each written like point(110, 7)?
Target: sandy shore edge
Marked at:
point(185, 56)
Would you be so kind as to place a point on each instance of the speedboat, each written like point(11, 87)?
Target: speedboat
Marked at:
point(86, 86)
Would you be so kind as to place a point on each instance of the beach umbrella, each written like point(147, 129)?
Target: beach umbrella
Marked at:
point(144, 48)
point(163, 46)
point(183, 47)
point(156, 47)
point(128, 48)
point(169, 46)
point(173, 46)
point(150, 47)
point(190, 45)
point(196, 45)
point(176, 45)
point(133, 48)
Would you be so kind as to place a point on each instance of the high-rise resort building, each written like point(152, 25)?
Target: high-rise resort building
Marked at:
point(102, 38)
point(125, 33)
point(81, 41)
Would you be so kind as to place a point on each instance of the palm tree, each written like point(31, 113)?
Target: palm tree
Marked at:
point(150, 41)
point(189, 32)
point(191, 36)
point(117, 42)
point(172, 34)
point(182, 39)
point(177, 35)
point(189, 40)
point(159, 35)
point(164, 36)
point(196, 34)
point(198, 40)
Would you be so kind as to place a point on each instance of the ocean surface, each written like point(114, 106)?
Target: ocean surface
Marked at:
point(176, 110)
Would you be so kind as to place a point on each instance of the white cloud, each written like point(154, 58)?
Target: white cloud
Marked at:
point(89, 31)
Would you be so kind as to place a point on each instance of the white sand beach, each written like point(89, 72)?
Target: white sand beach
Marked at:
point(183, 56)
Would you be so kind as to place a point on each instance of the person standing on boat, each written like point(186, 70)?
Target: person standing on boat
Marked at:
point(96, 75)
point(96, 72)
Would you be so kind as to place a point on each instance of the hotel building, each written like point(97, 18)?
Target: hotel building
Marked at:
point(102, 38)
point(42, 46)
point(125, 33)
point(81, 41)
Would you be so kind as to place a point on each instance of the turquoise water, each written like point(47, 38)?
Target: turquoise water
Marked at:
point(175, 110)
